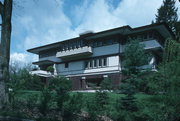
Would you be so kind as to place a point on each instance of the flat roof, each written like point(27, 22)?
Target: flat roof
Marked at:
point(162, 28)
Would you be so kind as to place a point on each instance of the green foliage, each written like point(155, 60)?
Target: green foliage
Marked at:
point(50, 69)
point(92, 109)
point(44, 101)
point(97, 105)
point(163, 105)
point(68, 105)
point(165, 83)
point(15, 85)
point(61, 86)
point(72, 107)
point(128, 87)
point(121, 113)
point(101, 101)
point(32, 101)
point(24, 80)
point(106, 84)
point(168, 13)
point(134, 57)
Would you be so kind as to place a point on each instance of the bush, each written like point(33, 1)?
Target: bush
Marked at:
point(107, 84)
point(101, 101)
point(25, 80)
point(61, 86)
point(44, 101)
point(32, 101)
point(50, 69)
point(72, 107)
point(92, 109)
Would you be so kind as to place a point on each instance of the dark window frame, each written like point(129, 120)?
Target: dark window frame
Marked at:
point(66, 65)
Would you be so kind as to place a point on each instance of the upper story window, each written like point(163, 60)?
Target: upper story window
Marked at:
point(66, 65)
point(99, 43)
point(95, 44)
point(96, 63)
point(100, 62)
point(109, 41)
point(142, 37)
point(48, 53)
point(104, 60)
point(103, 42)
point(72, 45)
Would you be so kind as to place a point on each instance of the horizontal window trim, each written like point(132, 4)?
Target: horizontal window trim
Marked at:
point(93, 73)
point(94, 57)
point(88, 69)
point(89, 64)
point(106, 45)
point(96, 67)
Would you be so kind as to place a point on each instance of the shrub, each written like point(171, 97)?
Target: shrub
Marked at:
point(92, 109)
point(50, 69)
point(32, 101)
point(61, 86)
point(44, 101)
point(72, 107)
point(25, 80)
point(106, 84)
point(101, 101)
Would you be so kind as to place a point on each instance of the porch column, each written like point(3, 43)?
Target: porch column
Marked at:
point(83, 83)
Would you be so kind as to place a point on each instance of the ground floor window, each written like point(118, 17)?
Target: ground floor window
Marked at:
point(93, 83)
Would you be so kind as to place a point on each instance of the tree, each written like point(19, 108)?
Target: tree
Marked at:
point(165, 83)
point(134, 57)
point(6, 13)
point(168, 13)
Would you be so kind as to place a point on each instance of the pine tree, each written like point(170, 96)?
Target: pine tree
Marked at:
point(168, 13)
point(134, 58)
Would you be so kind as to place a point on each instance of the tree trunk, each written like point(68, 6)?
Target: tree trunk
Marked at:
point(6, 13)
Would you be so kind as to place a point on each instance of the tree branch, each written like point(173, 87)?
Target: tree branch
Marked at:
point(1, 8)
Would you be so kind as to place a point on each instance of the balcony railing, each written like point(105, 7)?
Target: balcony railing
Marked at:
point(86, 50)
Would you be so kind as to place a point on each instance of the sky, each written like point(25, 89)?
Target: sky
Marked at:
point(40, 22)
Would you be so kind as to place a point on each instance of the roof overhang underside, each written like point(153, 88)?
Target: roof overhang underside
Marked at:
point(46, 47)
point(162, 28)
point(44, 62)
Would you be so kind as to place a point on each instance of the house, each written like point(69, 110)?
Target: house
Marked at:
point(91, 57)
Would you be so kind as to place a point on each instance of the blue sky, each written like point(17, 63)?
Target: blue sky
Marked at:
point(40, 22)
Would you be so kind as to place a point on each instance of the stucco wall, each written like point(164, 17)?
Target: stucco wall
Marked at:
point(78, 67)
point(105, 50)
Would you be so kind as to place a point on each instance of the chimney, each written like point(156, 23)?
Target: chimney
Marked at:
point(86, 33)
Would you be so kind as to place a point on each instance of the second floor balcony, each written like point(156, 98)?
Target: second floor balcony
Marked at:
point(83, 51)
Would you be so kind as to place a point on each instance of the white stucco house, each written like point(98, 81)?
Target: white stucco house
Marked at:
point(91, 57)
